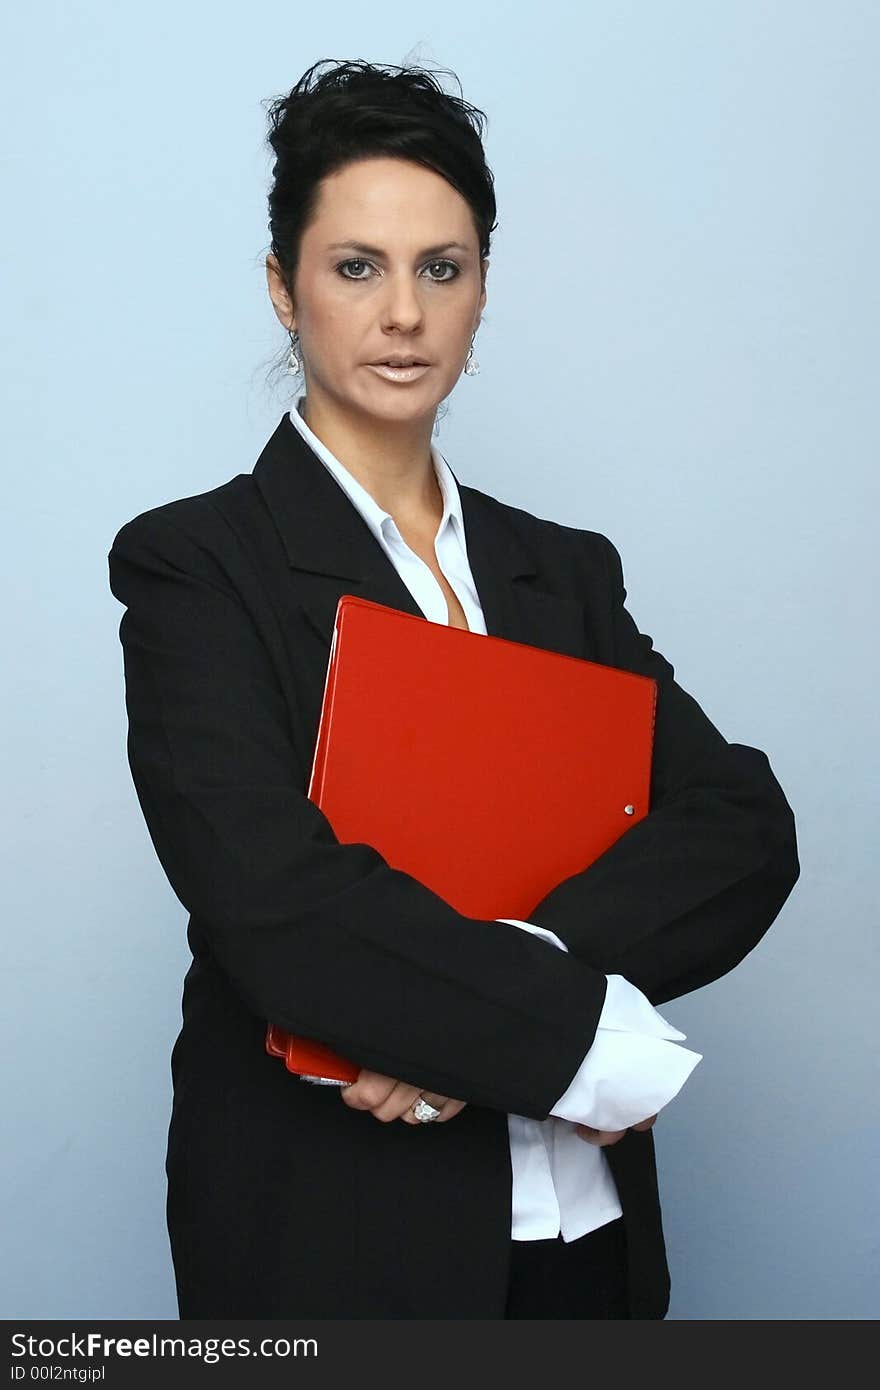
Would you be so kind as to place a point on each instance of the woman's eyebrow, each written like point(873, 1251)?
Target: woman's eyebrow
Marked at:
point(376, 251)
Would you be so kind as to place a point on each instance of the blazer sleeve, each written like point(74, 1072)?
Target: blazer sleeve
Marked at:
point(322, 938)
point(690, 889)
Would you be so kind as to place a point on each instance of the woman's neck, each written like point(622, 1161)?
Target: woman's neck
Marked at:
point(393, 464)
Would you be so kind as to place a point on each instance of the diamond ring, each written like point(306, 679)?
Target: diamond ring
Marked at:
point(423, 1111)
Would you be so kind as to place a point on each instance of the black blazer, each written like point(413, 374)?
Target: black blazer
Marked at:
point(283, 1201)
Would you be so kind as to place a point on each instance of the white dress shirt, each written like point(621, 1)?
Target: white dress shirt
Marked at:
point(634, 1067)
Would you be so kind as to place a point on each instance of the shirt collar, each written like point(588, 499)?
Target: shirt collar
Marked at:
point(380, 522)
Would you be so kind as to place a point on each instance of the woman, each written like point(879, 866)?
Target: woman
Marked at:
point(521, 1181)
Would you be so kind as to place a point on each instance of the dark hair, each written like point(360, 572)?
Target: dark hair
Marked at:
point(357, 110)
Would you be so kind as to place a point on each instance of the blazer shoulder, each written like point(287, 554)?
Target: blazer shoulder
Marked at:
point(199, 519)
point(592, 554)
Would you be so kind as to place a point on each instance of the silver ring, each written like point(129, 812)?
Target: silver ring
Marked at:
point(423, 1111)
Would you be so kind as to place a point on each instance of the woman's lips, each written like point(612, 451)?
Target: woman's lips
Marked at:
point(400, 373)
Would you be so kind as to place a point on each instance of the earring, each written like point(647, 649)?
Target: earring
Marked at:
point(294, 363)
point(471, 365)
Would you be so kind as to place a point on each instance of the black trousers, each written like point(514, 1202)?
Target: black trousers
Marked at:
point(584, 1278)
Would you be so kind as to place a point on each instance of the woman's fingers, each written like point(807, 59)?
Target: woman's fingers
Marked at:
point(448, 1109)
point(604, 1137)
point(600, 1137)
point(399, 1103)
point(388, 1099)
point(370, 1090)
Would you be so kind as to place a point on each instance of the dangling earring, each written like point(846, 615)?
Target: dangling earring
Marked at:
point(294, 364)
point(471, 366)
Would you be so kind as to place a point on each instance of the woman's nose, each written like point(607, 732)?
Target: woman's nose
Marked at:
point(403, 306)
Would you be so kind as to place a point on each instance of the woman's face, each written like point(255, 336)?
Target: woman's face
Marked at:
point(389, 266)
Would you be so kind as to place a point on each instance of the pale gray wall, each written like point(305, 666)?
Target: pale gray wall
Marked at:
point(679, 351)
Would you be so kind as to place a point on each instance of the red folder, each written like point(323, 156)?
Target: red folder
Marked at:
point(490, 770)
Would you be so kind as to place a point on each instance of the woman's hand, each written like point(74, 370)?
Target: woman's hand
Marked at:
point(388, 1099)
point(604, 1137)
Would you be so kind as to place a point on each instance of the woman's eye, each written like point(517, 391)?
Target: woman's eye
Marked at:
point(344, 266)
point(452, 266)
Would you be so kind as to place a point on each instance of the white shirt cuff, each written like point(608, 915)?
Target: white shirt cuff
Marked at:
point(634, 1066)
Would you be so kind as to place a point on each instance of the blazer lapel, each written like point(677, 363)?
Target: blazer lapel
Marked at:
point(325, 536)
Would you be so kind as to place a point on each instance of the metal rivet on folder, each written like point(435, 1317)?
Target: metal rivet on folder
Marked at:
point(630, 810)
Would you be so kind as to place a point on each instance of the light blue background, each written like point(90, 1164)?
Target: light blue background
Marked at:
point(679, 350)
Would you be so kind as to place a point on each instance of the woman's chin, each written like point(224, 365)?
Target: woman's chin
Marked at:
point(402, 402)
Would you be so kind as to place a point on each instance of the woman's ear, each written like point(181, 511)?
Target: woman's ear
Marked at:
point(281, 301)
point(484, 266)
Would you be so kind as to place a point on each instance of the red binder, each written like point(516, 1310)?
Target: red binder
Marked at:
point(490, 770)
